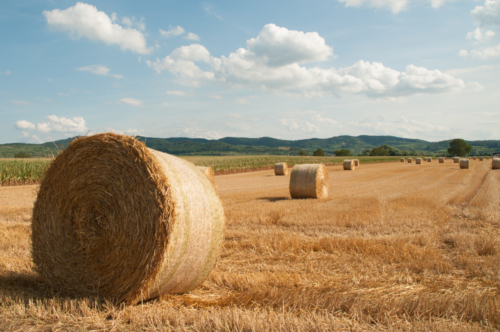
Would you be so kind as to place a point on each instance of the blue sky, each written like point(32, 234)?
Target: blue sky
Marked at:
point(285, 69)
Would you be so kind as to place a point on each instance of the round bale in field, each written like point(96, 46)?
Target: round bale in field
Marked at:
point(309, 181)
point(429, 159)
point(473, 158)
point(280, 169)
point(481, 158)
point(116, 220)
point(356, 162)
point(410, 160)
point(349, 165)
point(464, 163)
point(402, 160)
point(209, 173)
point(419, 161)
point(456, 160)
point(441, 160)
point(495, 163)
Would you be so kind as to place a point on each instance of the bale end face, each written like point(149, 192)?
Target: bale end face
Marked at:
point(309, 181)
point(356, 162)
point(441, 160)
point(402, 160)
point(410, 160)
point(349, 165)
point(418, 161)
point(280, 169)
point(495, 163)
point(464, 163)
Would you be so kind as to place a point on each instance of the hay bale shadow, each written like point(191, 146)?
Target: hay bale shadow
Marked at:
point(274, 199)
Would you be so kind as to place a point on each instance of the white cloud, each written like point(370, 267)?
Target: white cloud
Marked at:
point(323, 120)
point(196, 132)
point(84, 20)
point(241, 101)
point(485, 16)
point(36, 139)
point(216, 96)
point(173, 31)
point(463, 53)
point(393, 5)
point(461, 71)
point(210, 11)
point(130, 101)
point(99, 70)
point(485, 53)
point(7, 72)
point(192, 36)
point(179, 93)
point(272, 69)
point(62, 125)
point(296, 125)
point(21, 102)
point(403, 127)
point(479, 35)
point(23, 124)
point(131, 132)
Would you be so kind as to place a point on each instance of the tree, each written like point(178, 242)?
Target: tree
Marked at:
point(303, 153)
point(459, 147)
point(343, 152)
point(379, 152)
point(22, 155)
point(319, 153)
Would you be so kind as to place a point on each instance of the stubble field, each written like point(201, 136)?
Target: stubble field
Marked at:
point(396, 246)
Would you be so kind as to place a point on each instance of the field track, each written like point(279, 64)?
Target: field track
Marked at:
point(395, 246)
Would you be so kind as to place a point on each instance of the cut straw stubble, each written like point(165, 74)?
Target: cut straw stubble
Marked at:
point(117, 220)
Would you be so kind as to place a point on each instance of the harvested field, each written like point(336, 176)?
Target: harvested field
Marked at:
point(378, 256)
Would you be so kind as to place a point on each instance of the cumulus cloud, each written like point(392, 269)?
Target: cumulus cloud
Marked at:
point(99, 70)
point(273, 60)
point(192, 36)
point(130, 101)
point(294, 125)
point(484, 53)
point(84, 20)
point(241, 101)
point(23, 124)
point(172, 32)
point(486, 16)
point(179, 93)
point(320, 119)
point(393, 5)
point(21, 102)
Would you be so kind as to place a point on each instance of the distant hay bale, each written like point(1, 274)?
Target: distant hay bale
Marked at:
point(473, 158)
point(356, 162)
point(441, 160)
point(280, 169)
point(495, 163)
point(117, 220)
point(402, 160)
point(481, 158)
point(349, 165)
point(456, 160)
point(309, 181)
point(464, 163)
point(410, 160)
point(429, 159)
point(209, 173)
point(419, 161)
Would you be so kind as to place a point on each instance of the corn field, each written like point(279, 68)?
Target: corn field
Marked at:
point(22, 171)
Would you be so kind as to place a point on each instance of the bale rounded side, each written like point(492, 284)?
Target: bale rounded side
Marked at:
point(441, 160)
point(209, 173)
point(117, 220)
point(349, 165)
point(429, 159)
point(280, 169)
point(418, 161)
point(309, 181)
point(402, 160)
point(464, 163)
point(356, 162)
point(410, 160)
point(456, 160)
point(481, 158)
point(495, 163)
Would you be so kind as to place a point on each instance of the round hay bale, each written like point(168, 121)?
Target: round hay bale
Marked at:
point(356, 162)
point(419, 161)
point(495, 163)
point(456, 160)
point(464, 163)
point(402, 160)
point(481, 158)
point(429, 159)
point(410, 160)
point(441, 160)
point(349, 165)
point(473, 158)
point(280, 169)
point(209, 173)
point(117, 220)
point(309, 181)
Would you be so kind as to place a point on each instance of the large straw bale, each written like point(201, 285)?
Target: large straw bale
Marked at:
point(418, 161)
point(464, 163)
point(495, 163)
point(117, 220)
point(456, 160)
point(349, 165)
point(209, 173)
point(309, 181)
point(356, 162)
point(402, 160)
point(441, 160)
point(410, 160)
point(280, 169)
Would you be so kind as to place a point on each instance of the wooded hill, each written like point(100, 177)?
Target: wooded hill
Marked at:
point(266, 145)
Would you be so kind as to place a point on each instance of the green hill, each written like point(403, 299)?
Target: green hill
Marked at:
point(264, 145)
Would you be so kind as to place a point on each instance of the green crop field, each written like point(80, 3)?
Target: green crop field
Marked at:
point(22, 171)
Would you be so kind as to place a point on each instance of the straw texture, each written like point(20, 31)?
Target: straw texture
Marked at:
point(117, 220)
point(349, 165)
point(441, 160)
point(356, 162)
point(402, 160)
point(410, 160)
point(495, 163)
point(309, 181)
point(418, 161)
point(209, 173)
point(464, 163)
point(280, 169)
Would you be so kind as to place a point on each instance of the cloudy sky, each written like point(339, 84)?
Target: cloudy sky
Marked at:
point(290, 69)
